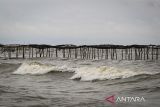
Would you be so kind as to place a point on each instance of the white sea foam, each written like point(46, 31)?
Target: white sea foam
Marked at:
point(103, 73)
point(87, 73)
point(37, 68)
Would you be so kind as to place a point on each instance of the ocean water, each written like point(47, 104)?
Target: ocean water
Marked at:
point(78, 83)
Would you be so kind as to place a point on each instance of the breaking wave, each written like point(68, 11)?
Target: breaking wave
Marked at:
point(36, 68)
point(87, 73)
point(104, 73)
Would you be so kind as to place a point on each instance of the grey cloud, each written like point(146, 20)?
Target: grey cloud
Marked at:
point(80, 21)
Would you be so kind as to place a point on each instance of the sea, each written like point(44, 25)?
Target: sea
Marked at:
point(59, 82)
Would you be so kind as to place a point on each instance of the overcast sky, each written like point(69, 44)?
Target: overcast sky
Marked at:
point(80, 21)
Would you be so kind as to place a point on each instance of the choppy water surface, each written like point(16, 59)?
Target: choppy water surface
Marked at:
point(77, 83)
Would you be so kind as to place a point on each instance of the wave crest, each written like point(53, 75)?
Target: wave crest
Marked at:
point(36, 68)
point(104, 73)
point(87, 73)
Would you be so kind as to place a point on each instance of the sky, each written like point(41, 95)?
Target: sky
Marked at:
point(80, 22)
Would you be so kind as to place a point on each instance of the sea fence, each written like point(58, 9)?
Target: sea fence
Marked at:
point(86, 52)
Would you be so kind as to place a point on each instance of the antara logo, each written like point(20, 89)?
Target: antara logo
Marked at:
point(112, 99)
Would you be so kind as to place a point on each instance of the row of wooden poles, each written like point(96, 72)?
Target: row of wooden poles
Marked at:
point(113, 52)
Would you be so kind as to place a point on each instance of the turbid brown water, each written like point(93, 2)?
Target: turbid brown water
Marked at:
point(78, 83)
